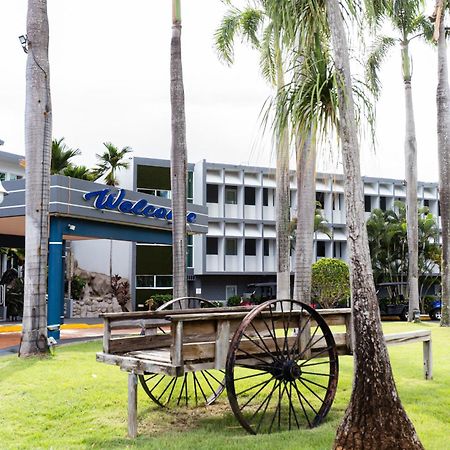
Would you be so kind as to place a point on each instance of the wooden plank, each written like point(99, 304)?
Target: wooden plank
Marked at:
point(139, 366)
point(222, 343)
point(106, 335)
point(349, 333)
point(305, 336)
point(407, 337)
point(132, 343)
point(205, 351)
point(176, 349)
point(427, 360)
point(132, 405)
point(152, 355)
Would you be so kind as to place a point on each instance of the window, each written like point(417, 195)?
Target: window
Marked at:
point(212, 193)
point(212, 246)
point(231, 195)
point(320, 198)
point(231, 246)
point(338, 253)
point(337, 202)
point(250, 194)
point(190, 251)
point(163, 281)
point(439, 208)
point(383, 203)
point(230, 291)
point(426, 203)
point(145, 281)
point(320, 249)
point(2, 176)
point(367, 203)
point(266, 247)
point(265, 197)
point(250, 247)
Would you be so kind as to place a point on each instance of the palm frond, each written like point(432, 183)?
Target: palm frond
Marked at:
point(376, 57)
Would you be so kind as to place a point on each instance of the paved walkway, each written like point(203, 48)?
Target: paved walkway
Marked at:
point(73, 330)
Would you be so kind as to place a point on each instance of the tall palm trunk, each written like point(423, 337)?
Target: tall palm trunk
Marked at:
point(38, 131)
point(443, 132)
point(411, 189)
point(282, 203)
point(306, 206)
point(178, 158)
point(375, 418)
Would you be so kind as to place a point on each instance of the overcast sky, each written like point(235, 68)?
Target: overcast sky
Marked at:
point(110, 82)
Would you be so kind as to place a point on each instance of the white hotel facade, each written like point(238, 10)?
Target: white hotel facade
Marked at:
point(239, 247)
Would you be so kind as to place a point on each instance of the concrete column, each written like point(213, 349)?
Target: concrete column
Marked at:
point(55, 303)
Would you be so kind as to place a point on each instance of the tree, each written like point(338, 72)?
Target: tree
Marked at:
point(38, 132)
point(178, 158)
point(61, 156)
point(330, 283)
point(389, 245)
point(375, 418)
point(262, 28)
point(443, 132)
point(80, 172)
point(407, 20)
point(110, 161)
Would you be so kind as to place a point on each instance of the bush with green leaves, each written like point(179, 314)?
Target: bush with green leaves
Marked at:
point(76, 287)
point(234, 300)
point(330, 284)
point(156, 300)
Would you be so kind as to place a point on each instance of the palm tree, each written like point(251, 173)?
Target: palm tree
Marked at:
point(38, 132)
point(110, 161)
point(408, 21)
point(61, 156)
point(178, 158)
point(443, 131)
point(263, 28)
point(375, 416)
point(80, 172)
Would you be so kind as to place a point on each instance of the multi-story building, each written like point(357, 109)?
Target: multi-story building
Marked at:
point(239, 248)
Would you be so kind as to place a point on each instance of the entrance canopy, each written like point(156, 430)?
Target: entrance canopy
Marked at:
point(85, 210)
point(98, 211)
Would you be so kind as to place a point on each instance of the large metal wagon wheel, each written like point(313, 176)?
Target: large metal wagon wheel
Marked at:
point(201, 387)
point(282, 368)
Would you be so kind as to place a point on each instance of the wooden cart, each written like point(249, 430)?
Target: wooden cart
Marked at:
point(277, 361)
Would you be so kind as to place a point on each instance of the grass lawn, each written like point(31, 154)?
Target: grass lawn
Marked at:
point(71, 401)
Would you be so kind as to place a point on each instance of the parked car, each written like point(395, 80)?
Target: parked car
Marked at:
point(259, 292)
point(395, 304)
point(435, 311)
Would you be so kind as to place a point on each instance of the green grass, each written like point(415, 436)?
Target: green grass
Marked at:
point(70, 401)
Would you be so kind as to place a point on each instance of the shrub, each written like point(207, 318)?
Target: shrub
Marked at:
point(121, 290)
point(330, 282)
point(76, 286)
point(156, 300)
point(234, 300)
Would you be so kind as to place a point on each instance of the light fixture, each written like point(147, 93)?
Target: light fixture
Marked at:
point(3, 192)
point(24, 42)
point(71, 227)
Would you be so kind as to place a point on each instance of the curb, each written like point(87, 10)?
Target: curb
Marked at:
point(66, 326)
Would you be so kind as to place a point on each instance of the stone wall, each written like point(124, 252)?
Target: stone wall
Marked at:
point(96, 297)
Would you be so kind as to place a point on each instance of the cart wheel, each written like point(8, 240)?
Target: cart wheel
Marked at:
point(193, 388)
point(282, 368)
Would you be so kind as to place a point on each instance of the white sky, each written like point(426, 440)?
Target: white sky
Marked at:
point(109, 63)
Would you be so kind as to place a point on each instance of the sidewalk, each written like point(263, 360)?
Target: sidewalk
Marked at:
point(71, 331)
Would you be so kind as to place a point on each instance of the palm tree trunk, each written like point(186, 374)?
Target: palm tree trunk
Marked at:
point(306, 206)
point(443, 133)
point(411, 190)
point(38, 131)
point(282, 203)
point(178, 158)
point(375, 418)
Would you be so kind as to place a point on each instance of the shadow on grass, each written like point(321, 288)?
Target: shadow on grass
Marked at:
point(211, 427)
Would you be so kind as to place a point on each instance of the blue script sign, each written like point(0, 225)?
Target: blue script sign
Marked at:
point(104, 199)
